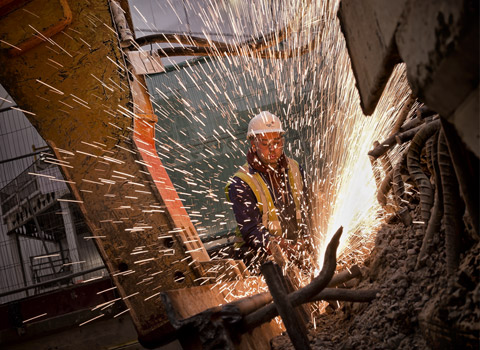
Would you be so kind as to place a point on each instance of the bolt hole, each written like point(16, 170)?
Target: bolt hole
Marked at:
point(123, 267)
point(168, 242)
point(179, 277)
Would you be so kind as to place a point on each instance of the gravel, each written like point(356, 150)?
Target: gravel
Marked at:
point(416, 307)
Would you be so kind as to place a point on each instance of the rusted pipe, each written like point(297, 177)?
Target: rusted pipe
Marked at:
point(125, 34)
point(415, 170)
point(303, 295)
point(452, 206)
point(434, 223)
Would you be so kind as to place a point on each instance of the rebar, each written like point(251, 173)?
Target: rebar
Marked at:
point(407, 135)
point(291, 319)
point(467, 168)
point(415, 170)
point(452, 206)
point(434, 223)
point(340, 294)
point(344, 276)
point(304, 295)
point(386, 145)
point(403, 114)
point(385, 187)
point(397, 182)
point(381, 148)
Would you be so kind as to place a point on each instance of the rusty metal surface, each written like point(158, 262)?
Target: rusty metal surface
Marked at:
point(74, 89)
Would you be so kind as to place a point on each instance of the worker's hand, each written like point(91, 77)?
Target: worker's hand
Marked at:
point(287, 248)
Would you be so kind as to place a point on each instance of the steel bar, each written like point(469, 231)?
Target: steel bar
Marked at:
point(467, 170)
point(452, 207)
point(59, 279)
point(411, 128)
point(415, 170)
point(384, 188)
point(407, 135)
point(247, 305)
point(295, 327)
point(376, 172)
point(340, 294)
point(384, 159)
point(425, 112)
point(437, 212)
point(404, 215)
point(397, 182)
point(417, 121)
point(303, 295)
point(345, 275)
point(384, 146)
point(208, 51)
point(268, 312)
point(402, 116)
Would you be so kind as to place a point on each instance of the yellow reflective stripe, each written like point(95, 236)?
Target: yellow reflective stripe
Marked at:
point(247, 178)
point(272, 210)
point(264, 199)
point(263, 196)
point(226, 189)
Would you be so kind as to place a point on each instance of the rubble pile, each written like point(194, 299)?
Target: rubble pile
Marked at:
point(416, 307)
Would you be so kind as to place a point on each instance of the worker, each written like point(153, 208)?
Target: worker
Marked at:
point(268, 195)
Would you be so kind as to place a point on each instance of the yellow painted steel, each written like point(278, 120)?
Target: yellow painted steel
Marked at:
point(50, 17)
point(73, 86)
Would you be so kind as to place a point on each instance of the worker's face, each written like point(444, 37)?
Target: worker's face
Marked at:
point(269, 147)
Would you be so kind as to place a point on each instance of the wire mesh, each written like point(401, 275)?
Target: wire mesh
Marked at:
point(41, 239)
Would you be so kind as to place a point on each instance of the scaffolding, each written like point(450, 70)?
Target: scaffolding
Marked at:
point(44, 241)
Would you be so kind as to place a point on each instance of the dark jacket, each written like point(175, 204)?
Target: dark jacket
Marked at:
point(244, 202)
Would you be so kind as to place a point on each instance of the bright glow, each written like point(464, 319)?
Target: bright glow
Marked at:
point(313, 92)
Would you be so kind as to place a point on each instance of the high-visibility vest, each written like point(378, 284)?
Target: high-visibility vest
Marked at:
point(264, 199)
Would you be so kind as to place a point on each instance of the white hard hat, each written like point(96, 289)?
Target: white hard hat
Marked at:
point(262, 123)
